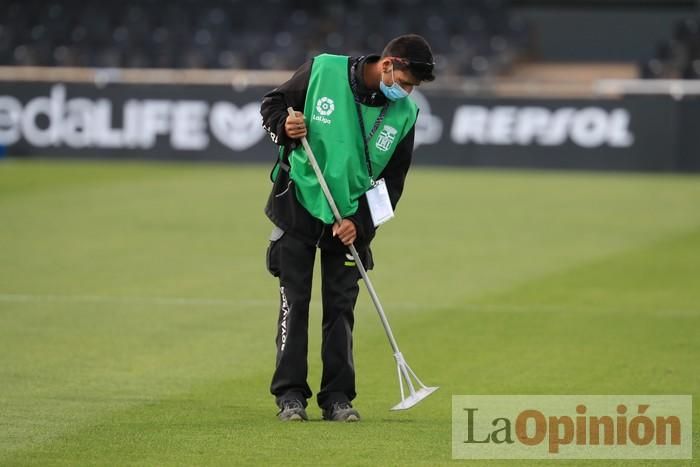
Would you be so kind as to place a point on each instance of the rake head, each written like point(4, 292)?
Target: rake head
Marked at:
point(406, 376)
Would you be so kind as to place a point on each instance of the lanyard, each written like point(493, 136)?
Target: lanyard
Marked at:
point(366, 138)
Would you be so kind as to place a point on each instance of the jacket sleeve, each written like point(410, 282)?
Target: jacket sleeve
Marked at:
point(395, 171)
point(394, 175)
point(274, 105)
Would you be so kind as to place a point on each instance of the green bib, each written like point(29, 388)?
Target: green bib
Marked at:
point(336, 140)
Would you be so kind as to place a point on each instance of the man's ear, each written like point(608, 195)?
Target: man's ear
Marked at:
point(386, 64)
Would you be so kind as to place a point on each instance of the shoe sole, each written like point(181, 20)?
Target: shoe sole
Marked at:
point(293, 418)
point(350, 418)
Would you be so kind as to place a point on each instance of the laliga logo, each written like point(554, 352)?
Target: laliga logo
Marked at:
point(325, 106)
point(428, 126)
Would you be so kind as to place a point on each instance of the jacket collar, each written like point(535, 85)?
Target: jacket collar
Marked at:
point(362, 93)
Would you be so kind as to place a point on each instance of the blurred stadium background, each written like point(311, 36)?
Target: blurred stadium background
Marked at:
point(595, 84)
point(476, 38)
point(136, 315)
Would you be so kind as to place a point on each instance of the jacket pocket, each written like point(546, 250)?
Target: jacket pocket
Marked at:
point(367, 258)
point(272, 261)
point(280, 203)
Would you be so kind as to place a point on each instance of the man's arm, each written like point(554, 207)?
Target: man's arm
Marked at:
point(274, 105)
point(395, 171)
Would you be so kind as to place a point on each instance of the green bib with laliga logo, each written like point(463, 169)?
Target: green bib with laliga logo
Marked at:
point(336, 139)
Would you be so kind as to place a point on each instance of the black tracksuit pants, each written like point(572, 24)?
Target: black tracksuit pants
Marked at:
point(292, 261)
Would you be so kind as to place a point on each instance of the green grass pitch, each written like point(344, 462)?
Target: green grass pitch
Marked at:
point(137, 318)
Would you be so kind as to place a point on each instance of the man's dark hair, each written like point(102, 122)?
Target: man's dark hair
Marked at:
point(414, 55)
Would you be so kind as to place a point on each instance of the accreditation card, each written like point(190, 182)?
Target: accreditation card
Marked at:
point(379, 203)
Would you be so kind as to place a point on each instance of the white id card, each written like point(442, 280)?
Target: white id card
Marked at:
point(379, 203)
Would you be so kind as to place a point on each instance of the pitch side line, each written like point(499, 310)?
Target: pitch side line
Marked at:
point(223, 302)
point(166, 301)
point(34, 298)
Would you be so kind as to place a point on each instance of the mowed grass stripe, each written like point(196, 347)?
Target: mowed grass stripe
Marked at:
point(662, 277)
point(65, 366)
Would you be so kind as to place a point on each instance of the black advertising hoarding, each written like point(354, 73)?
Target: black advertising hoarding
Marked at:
point(689, 135)
point(218, 123)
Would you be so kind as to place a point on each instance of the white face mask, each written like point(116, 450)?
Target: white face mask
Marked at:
point(393, 92)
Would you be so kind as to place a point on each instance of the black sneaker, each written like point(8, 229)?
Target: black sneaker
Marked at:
point(341, 412)
point(292, 410)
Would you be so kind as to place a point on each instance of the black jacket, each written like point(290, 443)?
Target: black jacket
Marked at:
point(282, 208)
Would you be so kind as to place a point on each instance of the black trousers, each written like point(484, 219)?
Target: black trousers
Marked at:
point(292, 261)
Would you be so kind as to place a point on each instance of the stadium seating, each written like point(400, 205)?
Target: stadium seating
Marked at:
point(479, 37)
point(678, 57)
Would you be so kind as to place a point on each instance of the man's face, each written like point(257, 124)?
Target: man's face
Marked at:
point(404, 78)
